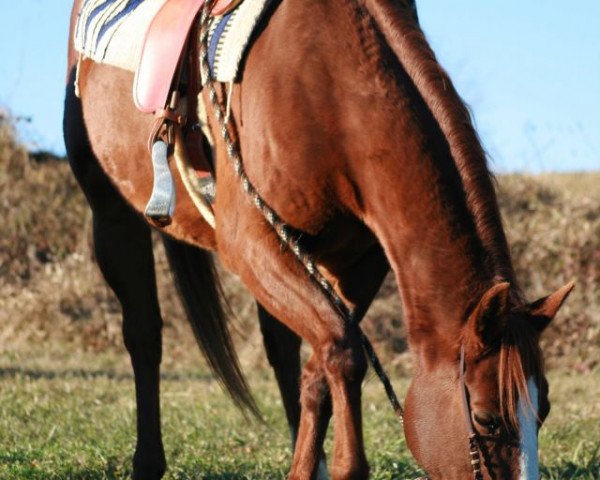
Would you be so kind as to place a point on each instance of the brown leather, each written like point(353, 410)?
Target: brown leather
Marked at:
point(171, 115)
point(162, 48)
point(163, 45)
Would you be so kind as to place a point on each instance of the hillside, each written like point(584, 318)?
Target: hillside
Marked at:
point(52, 296)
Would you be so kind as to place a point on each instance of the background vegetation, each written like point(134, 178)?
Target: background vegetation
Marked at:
point(66, 401)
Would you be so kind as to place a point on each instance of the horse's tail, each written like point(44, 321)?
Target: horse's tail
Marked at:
point(202, 296)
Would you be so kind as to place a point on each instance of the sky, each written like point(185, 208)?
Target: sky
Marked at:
point(529, 70)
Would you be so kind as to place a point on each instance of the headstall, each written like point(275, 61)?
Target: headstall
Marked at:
point(473, 437)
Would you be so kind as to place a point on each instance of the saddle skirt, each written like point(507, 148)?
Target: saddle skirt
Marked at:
point(148, 36)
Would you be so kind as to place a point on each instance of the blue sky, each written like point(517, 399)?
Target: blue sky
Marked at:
point(530, 72)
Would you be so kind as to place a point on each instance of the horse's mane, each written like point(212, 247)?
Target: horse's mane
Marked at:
point(397, 24)
point(520, 359)
point(520, 355)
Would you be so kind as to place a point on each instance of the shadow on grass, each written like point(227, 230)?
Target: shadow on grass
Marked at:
point(38, 374)
point(117, 473)
point(28, 465)
point(22, 467)
point(35, 464)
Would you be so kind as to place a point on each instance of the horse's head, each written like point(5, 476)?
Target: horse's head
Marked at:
point(496, 393)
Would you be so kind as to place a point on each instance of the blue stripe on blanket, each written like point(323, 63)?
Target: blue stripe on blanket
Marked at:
point(98, 10)
point(95, 12)
point(129, 7)
point(214, 41)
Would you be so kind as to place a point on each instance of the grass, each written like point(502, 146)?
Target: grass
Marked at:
point(73, 417)
point(66, 394)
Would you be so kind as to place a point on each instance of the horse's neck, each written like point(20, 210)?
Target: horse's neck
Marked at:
point(419, 202)
point(432, 244)
point(410, 191)
point(415, 202)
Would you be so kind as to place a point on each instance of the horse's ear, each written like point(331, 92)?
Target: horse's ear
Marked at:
point(489, 317)
point(542, 311)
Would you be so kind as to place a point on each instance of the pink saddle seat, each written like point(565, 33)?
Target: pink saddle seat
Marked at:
point(163, 45)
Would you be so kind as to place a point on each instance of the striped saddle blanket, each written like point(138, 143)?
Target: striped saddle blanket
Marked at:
point(113, 32)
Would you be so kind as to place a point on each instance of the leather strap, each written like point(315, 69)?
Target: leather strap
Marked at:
point(473, 438)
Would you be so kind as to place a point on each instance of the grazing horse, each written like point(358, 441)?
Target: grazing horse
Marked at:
point(350, 130)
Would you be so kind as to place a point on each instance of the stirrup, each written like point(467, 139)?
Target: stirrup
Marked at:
point(161, 206)
point(202, 190)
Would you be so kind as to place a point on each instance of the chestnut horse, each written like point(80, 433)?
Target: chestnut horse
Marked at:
point(352, 132)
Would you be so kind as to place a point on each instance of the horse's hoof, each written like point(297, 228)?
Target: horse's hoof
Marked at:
point(148, 473)
point(149, 468)
point(322, 473)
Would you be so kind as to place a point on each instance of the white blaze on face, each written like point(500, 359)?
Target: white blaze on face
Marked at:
point(528, 458)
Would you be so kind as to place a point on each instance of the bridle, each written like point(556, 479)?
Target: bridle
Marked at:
point(474, 446)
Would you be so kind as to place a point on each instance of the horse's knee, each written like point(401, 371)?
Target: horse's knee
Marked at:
point(314, 390)
point(344, 360)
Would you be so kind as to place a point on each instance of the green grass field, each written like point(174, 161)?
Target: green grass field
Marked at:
point(66, 390)
point(73, 417)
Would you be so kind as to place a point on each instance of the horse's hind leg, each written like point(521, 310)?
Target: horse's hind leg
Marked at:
point(283, 352)
point(124, 253)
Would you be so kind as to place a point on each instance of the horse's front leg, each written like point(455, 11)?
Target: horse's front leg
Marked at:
point(344, 367)
point(283, 351)
point(315, 416)
point(332, 376)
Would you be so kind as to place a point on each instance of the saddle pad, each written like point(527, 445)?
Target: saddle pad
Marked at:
point(229, 38)
point(113, 31)
point(147, 36)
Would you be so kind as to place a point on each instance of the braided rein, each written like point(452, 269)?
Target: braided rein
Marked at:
point(292, 243)
point(283, 231)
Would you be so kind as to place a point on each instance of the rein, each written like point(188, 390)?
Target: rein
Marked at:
point(229, 134)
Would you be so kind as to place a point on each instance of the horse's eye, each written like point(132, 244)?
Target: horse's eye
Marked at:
point(490, 422)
